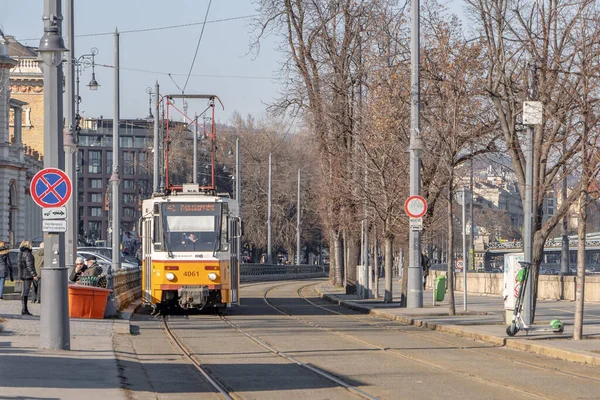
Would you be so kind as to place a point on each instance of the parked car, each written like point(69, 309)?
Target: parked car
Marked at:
point(104, 259)
point(107, 252)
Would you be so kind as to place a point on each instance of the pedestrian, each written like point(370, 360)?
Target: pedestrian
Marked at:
point(93, 269)
point(27, 273)
point(80, 268)
point(6, 270)
point(39, 264)
point(426, 264)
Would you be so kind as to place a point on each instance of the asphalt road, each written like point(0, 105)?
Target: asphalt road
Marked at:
point(286, 343)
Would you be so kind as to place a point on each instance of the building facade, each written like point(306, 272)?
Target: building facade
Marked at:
point(27, 85)
point(94, 166)
point(20, 218)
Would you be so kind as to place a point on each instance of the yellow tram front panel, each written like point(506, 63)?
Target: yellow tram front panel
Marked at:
point(173, 274)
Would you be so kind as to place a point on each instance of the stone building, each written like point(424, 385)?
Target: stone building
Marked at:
point(20, 218)
point(27, 85)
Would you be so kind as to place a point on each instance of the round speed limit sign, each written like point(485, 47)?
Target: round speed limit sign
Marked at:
point(415, 206)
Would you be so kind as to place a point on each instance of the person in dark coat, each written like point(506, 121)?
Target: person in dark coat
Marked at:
point(426, 264)
point(39, 264)
point(6, 270)
point(27, 273)
point(79, 269)
point(93, 269)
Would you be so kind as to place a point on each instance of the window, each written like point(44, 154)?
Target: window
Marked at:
point(128, 163)
point(109, 162)
point(94, 161)
point(139, 142)
point(95, 211)
point(96, 183)
point(128, 198)
point(142, 187)
point(93, 229)
point(126, 141)
point(128, 184)
point(96, 197)
point(128, 212)
point(142, 162)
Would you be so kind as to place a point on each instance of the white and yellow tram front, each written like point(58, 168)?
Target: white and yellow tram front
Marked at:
point(189, 245)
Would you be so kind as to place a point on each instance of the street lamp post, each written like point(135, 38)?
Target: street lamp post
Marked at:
point(414, 297)
point(73, 119)
point(269, 221)
point(150, 93)
point(114, 178)
point(54, 318)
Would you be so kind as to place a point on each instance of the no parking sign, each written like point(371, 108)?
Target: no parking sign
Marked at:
point(51, 187)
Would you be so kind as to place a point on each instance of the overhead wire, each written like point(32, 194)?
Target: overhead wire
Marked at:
point(184, 74)
point(197, 46)
point(160, 28)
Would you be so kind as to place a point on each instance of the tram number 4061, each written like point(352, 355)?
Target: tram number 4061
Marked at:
point(191, 273)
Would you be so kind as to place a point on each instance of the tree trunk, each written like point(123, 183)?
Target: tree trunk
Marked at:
point(353, 246)
point(389, 242)
point(376, 266)
point(581, 224)
point(332, 259)
point(339, 259)
point(450, 274)
point(404, 291)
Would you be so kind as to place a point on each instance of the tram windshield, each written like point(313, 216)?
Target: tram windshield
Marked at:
point(191, 226)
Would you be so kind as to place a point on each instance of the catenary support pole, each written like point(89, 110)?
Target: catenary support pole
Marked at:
point(564, 249)
point(415, 272)
point(195, 164)
point(114, 178)
point(54, 319)
point(70, 144)
point(464, 245)
point(298, 222)
point(156, 145)
point(269, 250)
point(528, 209)
point(238, 190)
point(471, 217)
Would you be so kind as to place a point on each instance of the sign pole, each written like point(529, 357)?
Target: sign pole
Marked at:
point(54, 318)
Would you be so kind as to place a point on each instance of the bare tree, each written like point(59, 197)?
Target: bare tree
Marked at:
point(517, 34)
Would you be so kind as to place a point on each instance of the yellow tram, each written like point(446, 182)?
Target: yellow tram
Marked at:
point(189, 249)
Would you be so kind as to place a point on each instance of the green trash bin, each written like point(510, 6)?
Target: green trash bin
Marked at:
point(439, 289)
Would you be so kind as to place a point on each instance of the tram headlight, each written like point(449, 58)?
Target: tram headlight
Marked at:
point(170, 276)
point(212, 276)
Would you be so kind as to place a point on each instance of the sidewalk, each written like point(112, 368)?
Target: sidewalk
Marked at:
point(89, 371)
point(484, 321)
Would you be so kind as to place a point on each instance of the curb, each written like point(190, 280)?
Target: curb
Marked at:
point(516, 344)
point(123, 326)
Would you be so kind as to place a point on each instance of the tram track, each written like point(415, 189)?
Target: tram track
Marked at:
point(428, 338)
point(177, 343)
point(224, 391)
point(425, 337)
point(417, 359)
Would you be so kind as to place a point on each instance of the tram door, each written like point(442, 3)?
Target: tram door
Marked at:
point(234, 259)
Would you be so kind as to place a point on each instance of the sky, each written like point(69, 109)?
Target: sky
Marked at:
point(243, 82)
point(224, 65)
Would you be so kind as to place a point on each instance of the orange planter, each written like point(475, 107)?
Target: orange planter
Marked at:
point(87, 301)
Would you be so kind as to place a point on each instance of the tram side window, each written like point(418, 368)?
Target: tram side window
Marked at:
point(225, 227)
point(157, 235)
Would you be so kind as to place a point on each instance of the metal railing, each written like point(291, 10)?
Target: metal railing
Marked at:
point(127, 285)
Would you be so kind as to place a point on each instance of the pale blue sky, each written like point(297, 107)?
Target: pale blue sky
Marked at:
point(224, 52)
